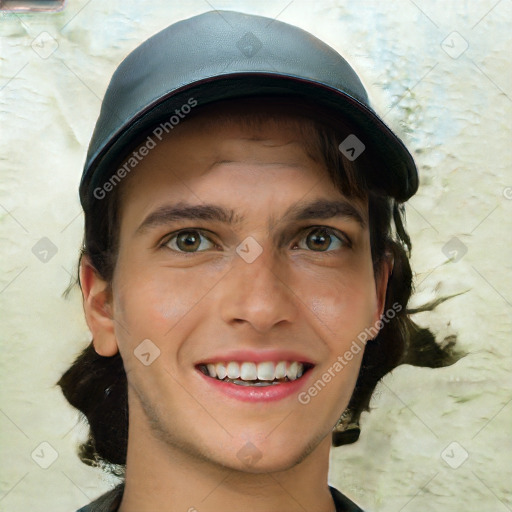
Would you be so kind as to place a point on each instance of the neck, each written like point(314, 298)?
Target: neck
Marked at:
point(167, 477)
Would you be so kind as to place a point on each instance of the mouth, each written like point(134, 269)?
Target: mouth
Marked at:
point(262, 374)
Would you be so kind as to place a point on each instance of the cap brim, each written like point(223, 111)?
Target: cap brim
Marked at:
point(395, 171)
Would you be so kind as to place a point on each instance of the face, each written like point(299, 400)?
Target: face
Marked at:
point(238, 256)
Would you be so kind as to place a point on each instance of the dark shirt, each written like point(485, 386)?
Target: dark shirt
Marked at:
point(110, 501)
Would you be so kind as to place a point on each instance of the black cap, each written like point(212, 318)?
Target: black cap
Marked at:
point(221, 55)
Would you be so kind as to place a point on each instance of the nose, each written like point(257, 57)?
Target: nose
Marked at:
point(258, 294)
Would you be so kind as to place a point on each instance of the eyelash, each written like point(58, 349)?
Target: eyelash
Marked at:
point(344, 239)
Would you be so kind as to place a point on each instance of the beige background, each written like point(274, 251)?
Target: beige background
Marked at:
point(452, 106)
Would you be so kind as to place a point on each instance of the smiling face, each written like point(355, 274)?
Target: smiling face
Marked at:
point(250, 274)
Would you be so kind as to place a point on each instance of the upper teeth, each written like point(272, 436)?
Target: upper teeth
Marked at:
point(267, 370)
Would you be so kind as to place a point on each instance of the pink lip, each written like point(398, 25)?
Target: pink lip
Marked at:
point(257, 356)
point(257, 393)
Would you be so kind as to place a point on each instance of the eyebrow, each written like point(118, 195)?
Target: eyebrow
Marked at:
point(303, 210)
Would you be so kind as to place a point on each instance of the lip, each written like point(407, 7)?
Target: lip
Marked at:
point(257, 393)
point(257, 356)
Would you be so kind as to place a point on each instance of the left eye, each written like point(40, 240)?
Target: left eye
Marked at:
point(319, 240)
point(188, 241)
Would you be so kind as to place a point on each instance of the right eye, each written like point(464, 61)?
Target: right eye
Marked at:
point(188, 241)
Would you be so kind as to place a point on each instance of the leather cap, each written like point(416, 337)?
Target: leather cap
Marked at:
point(220, 55)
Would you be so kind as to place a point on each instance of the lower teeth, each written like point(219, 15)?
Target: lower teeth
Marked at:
point(258, 383)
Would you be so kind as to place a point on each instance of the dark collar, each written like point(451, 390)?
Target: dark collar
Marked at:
point(110, 501)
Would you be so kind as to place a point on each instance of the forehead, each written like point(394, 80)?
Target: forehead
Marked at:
point(229, 148)
point(234, 125)
point(279, 121)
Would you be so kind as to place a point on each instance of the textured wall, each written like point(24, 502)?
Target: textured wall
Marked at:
point(440, 74)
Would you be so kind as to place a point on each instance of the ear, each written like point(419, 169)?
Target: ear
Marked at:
point(381, 282)
point(98, 309)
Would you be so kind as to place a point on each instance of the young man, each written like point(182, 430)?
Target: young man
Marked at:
point(240, 275)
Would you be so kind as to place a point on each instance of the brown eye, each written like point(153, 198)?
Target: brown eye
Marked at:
point(321, 239)
point(187, 241)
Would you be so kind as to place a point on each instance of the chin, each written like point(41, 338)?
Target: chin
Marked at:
point(270, 463)
point(280, 454)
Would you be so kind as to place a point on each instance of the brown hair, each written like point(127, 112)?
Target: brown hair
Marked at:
point(97, 385)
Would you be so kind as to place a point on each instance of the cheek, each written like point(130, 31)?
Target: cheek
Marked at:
point(343, 303)
point(160, 304)
point(151, 304)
